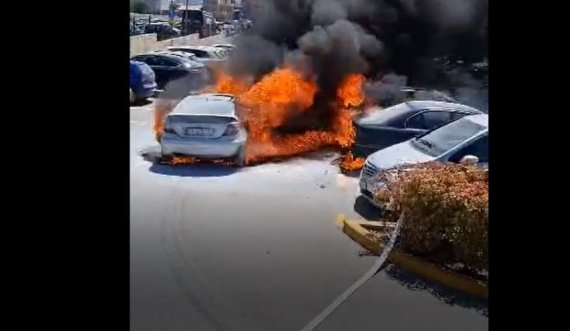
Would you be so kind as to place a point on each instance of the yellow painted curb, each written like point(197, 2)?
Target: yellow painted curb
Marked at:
point(357, 230)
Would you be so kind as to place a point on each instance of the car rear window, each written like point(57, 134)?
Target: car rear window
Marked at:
point(388, 116)
point(197, 52)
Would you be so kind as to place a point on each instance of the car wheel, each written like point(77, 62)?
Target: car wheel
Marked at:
point(239, 159)
point(165, 158)
point(132, 96)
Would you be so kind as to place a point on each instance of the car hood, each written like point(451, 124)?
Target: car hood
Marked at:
point(399, 154)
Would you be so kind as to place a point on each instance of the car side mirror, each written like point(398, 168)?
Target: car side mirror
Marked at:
point(469, 160)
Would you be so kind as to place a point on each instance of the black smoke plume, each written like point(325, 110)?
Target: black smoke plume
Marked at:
point(374, 37)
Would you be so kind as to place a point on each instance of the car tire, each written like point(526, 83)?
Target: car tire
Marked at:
point(239, 159)
point(165, 158)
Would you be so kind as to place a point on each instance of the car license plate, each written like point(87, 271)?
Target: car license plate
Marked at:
point(199, 132)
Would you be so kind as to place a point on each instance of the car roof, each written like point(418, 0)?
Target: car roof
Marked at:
point(431, 104)
point(167, 55)
point(394, 115)
point(184, 56)
point(481, 119)
point(209, 104)
point(201, 48)
point(175, 53)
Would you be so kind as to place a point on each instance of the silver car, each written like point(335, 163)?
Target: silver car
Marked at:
point(465, 140)
point(205, 126)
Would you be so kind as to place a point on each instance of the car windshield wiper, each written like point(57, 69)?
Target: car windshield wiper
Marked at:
point(425, 143)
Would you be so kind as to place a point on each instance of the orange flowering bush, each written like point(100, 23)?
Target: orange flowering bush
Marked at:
point(446, 211)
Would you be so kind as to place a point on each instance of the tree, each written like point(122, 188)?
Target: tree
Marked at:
point(140, 7)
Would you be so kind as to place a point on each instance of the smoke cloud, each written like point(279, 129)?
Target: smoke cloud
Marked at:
point(381, 39)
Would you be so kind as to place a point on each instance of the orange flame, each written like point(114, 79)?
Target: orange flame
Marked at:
point(349, 163)
point(350, 93)
point(279, 95)
point(230, 85)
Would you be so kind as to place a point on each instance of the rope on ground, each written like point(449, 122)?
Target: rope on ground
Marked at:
point(371, 272)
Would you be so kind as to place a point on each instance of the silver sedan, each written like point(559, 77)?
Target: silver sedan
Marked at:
point(205, 126)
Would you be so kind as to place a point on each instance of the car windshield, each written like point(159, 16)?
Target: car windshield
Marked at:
point(219, 53)
point(381, 116)
point(448, 136)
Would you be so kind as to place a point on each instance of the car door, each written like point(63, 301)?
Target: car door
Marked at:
point(155, 65)
point(478, 148)
point(378, 133)
point(427, 120)
point(169, 69)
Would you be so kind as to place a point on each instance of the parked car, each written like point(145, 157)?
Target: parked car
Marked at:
point(142, 81)
point(463, 140)
point(162, 30)
point(213, 57)
point(205, 126)
point(175, 74)
point(381, 128)
point(189, 56)
point(206, 54)
point(228, 47)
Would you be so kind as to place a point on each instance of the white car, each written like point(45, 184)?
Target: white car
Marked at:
point(228, 47)
point(189, 56)
point(465, 140)
point(205, 54)
point(205, 126)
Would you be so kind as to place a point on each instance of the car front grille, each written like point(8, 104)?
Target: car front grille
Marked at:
point(369, 170)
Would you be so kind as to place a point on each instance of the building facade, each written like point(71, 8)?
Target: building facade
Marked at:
point(223, 10)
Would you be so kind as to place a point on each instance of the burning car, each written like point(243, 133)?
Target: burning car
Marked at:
point(464, 140)
point(204, 126)
point(381, 128)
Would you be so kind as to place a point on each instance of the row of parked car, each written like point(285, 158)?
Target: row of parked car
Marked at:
point(177, 70)
point(417, 132)
point(424, 126)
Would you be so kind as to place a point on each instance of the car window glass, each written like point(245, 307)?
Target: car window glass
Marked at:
point(448, 136)
point(434, 119)
point(200, 53)
point(479, 148)
point(457, 115)
point(150, 60)
point(416, 122)
point(167, 62)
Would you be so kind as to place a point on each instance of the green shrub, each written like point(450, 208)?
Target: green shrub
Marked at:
point(446, 211)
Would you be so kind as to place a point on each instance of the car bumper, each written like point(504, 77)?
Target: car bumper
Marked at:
point(201, 148)
point(145, 93)
point(364, 151)
point(367, 187)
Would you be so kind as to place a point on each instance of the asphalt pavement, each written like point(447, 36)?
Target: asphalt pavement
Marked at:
point(259, 248)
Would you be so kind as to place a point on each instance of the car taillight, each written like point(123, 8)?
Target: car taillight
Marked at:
point(232, 129)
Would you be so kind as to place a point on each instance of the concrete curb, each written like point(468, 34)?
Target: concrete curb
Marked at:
point(357, 231)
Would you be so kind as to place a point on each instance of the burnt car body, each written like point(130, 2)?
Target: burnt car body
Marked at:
point(380, 128)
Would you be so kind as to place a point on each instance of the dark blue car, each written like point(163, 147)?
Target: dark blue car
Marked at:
point(143, 83)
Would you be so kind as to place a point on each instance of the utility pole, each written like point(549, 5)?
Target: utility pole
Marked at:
point(186, 19)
